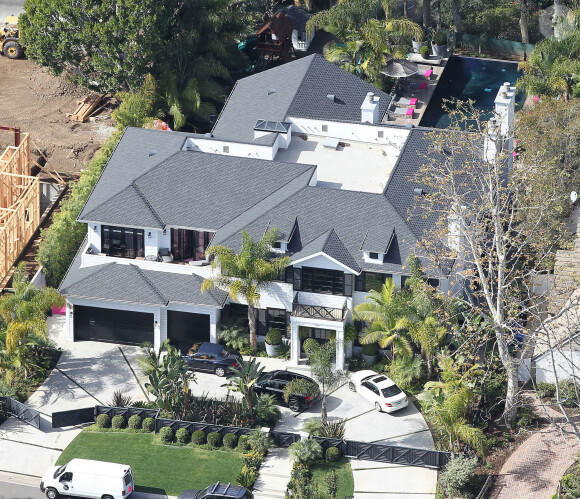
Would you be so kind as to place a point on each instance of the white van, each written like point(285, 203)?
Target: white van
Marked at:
point(86, 478)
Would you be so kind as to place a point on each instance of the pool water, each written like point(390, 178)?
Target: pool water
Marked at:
point(470, 78)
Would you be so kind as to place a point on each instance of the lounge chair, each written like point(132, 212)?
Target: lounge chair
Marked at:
point(401, 112)
point(164, 255)
point(405, 101)
point(415, 85)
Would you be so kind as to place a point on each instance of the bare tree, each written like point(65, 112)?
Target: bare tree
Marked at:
point(482, 230)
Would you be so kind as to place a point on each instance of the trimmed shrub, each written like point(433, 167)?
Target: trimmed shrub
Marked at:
point(198, 437)
point(546, 389)
point(370, 349)
point(243, 444)
point(103, 421)
point(305, 451)
point(333, 454)
point(135, 422)
point(166, 435)
point(149, 424)
point(440, 38)
point(260, 442)
point(118, 422)
point(424, 52)
point(182, 436)
point(230, 440)
point(214, 439)
point(273, 337)
point(457, 474)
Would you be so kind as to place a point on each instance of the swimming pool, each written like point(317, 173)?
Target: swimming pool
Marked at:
point(470, 78)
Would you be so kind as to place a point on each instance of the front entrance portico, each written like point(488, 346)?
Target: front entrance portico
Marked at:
point(296, 322)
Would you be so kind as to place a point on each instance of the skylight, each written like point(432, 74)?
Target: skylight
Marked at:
point(272, 126)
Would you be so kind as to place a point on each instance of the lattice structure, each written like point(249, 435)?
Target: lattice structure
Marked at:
point(19, 203)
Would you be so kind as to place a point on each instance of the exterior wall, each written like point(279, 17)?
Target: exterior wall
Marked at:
point(567, 364)
point(300, 44)
point(236, 149)
point(94, 237)
point(351, 131)
point(321, 262)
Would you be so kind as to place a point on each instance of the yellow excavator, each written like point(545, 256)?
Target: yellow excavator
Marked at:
point(9, 41)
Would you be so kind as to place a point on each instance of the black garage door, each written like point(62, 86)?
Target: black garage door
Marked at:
point(185, 329)
point(117, 326)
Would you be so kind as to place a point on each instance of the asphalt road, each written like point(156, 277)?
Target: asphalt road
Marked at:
point(17, 491)
point(10, 8)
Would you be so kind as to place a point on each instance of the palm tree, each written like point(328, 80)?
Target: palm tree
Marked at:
point(387, 314)
point(246, 273)
point(245, 377)
point(427, 334)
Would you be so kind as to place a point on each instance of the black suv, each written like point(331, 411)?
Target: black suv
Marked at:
point(273, 382)
point(217, 491)
point(212, 357)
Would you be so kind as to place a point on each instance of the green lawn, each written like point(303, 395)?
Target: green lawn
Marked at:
point(162, 469)
point(344, 472)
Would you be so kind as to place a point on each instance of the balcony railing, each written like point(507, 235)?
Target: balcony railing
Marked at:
point(319, 311)
point(301, 45)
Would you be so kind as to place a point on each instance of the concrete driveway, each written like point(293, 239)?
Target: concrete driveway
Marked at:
point(88, 373)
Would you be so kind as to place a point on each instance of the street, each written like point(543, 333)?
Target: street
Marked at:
point(9, 8)
point(15, 489)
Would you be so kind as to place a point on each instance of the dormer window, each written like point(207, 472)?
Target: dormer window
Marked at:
point(374, 257)
point(279, 247)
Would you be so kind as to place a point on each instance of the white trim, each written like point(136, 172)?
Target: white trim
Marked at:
point(322, 253)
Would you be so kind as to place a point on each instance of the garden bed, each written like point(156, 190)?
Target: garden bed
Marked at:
point(344, 472)
point(161, 469)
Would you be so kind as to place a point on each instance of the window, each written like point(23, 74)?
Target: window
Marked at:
point(434, 283)
point(239, 312)
point(287, 275)
point(391, 391)
point(226, 149)
point(371, 387)
point(302, 36)
point(325, 128)
point(276, 319)
point(321, 335)
point(277, 245)
point(373, 256)
point(330, 282)
point(189, 245)
point(122, 242)
point(371, 280)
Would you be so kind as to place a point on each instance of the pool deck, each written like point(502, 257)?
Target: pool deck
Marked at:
point(423, 97)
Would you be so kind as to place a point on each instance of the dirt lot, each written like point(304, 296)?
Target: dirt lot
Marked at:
point(37, 102)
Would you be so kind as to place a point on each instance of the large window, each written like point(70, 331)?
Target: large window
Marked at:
point(276, 318)
point(371, 280)
point(123, 242)
point(189, 245)
point(324, 281)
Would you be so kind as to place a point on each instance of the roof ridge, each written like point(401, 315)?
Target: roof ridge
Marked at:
point(151, 285)
point(313, 58)
point(212, 291)
point(146, 201)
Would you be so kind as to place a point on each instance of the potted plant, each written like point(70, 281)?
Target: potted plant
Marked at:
point(273, 339)
point(425, 52)
point(370, 352)
point(439, 44)
point(418, 41)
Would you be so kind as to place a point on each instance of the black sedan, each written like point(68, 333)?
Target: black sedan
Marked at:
point(212, 357)
point(273, 382)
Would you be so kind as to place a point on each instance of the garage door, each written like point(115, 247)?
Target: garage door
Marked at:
point(116, 326)
point(185, 329)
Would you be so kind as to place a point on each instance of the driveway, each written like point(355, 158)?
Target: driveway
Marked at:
point(88, 373)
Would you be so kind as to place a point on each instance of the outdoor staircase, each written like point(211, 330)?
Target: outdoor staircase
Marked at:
point(566, 270)
point(274, 475)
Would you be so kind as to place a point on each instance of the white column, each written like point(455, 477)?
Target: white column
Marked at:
point(294, 343)
point(69, 322)
point(213, 320)
point(340, 348)
point(159, 327)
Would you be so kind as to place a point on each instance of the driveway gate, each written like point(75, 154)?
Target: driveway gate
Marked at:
point(11, 407)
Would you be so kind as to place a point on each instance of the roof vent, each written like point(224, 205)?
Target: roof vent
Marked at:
point(271, 91)
point(331, 97)
point(152, 152)
point(370, 96)
point(418, 191)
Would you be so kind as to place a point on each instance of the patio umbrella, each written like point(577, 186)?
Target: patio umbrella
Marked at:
point(400, 68)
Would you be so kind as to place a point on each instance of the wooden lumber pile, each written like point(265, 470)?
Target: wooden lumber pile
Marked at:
point(86, 107)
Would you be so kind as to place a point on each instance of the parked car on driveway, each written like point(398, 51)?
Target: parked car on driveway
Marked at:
point(212, 357)
point(217, 491)
point(378, 389)
point(273, 382)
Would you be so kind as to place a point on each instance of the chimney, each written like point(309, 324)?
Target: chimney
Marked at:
point(492, 141)
point(370, 109)
point(505, 102)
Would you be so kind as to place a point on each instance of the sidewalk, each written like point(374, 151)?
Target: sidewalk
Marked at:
point(274, 475)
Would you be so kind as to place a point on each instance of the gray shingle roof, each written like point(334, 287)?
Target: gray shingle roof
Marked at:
point(330, 244)
point(298, 17)
point(130, 284)
point(300, 88)
point(199, 191)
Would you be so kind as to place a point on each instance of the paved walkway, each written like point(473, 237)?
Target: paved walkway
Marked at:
point(536, 467)
point(88, 373)
point(274, 475)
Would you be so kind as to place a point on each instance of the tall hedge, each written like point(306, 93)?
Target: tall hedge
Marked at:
point(62, 239)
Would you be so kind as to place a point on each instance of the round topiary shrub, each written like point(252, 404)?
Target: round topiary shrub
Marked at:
point(243, 444)
point(370, 349)
point(424, 52)
point(118, 422)
point(135, 422)
point(149, 424)
point(103, 421)
point(214, 439)
point(198, 437)
point(230, 440)
point(273, 337)
point(333, 454)
point(166, 435)
point(182, 436)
